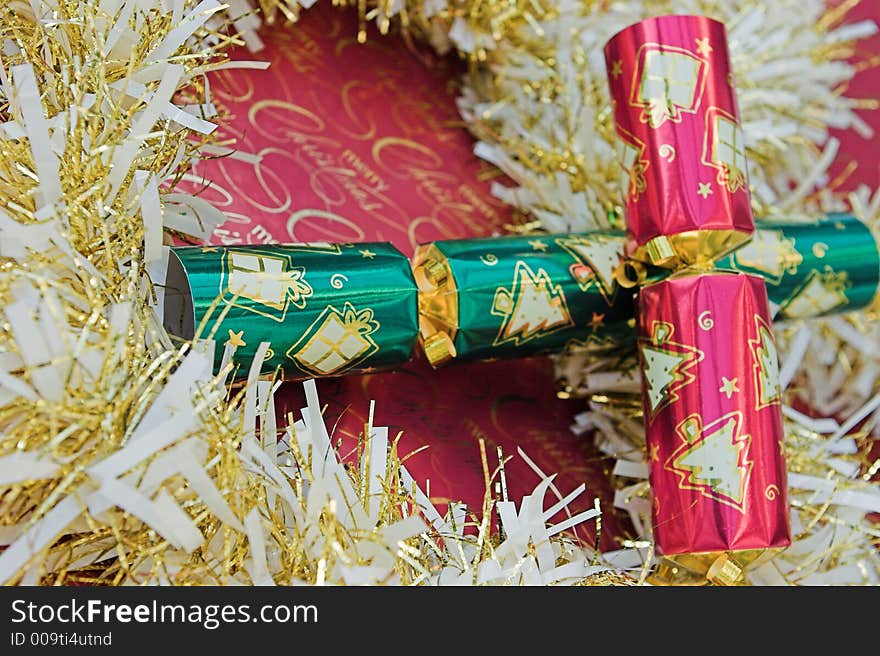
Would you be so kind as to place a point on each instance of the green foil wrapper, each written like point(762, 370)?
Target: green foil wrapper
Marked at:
point(518, 296)
point(325, 309)
point(813, 269)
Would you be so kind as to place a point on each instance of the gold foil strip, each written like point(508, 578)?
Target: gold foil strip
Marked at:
point(724, 568)
point(438, 303)
point(690, 248)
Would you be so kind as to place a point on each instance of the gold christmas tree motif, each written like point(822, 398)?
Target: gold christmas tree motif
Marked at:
point(666, 366)
point(266, 284)
point(769, 253)
point(820, 293)
point(596, 258)
point(668, 82)
point(724, 149)
point(766, 365)
point(532, 308)
point(713, 459)
point(632, 162)
point(336, 340)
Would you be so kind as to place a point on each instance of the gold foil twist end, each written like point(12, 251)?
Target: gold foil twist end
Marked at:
point(691, 248)
point(716, 568)
point(661, 252)
point(438, 304)
point(725, 571)
point(435, 272)
point(630, 273)
point(438, 348)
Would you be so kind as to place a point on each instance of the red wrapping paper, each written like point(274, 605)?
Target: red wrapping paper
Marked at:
point(356, 142)
point(711, 400)
point(680, 144)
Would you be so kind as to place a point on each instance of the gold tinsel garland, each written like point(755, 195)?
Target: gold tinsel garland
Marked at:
point(123, 460)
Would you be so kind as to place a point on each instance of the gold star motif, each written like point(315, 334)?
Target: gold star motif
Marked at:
point(653, 453)
point(538, 245)
point(209, 249)
point(597, 320)
point(616, 69)
point(705, 190)
point(367, 253)
point(703, 46)
point(728, 387)
point(236, 339)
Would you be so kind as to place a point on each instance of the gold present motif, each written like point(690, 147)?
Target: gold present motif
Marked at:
point(668, 82)
point(336, 341)
point(265, 284)
point(820, 293)
point(724, 149)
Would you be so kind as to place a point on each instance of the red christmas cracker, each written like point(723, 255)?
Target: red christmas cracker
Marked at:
point(680, 144)
point(712, 413)
point(709, 366)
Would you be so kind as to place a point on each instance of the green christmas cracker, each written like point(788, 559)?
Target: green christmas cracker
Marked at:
point(325, 309)
point(519, 296)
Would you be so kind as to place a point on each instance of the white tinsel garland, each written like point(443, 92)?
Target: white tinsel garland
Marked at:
point(123, 460)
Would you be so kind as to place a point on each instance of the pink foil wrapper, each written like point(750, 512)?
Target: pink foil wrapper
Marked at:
point(680, 144)
point(711, 400)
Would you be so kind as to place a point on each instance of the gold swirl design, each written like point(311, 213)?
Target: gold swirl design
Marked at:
point(489, 259)
point(771, 492)
point(397, 155)
point(332, 235)
point(337, 280)
point(667, 152)
point(705, 321)
point(287, 119)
